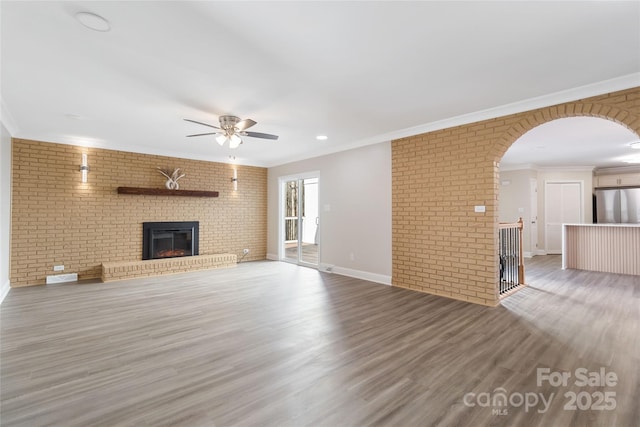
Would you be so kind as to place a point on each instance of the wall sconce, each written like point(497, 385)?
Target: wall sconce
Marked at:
point(84, 168)
point(234, 180)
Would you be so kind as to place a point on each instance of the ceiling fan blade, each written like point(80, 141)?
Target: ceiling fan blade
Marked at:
point(200, 123)
point(260, 135)
point(245, 124)
point(202, 134)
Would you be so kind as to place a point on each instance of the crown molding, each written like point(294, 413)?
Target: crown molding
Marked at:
point(566, 168)
point(6, 118)
point(536, 168)
point(594, 89)
point(511, 168)
point(600, 88)
point(617, 170)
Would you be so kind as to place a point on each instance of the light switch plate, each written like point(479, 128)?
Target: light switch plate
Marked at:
point(480, 209)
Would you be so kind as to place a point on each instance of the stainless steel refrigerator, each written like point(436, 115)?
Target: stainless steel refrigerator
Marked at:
point(618, 206)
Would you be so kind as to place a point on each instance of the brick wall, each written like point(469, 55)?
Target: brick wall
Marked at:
point(58, 220)
point(440, 246)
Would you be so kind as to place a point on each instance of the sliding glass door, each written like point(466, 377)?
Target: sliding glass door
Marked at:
point(300, 220)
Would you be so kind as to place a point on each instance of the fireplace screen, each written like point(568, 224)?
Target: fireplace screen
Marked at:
point(169, 239)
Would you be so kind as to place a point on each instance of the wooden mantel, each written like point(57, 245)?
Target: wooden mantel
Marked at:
point(166, 192)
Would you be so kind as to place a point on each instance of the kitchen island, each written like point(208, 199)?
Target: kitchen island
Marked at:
point(610, 248)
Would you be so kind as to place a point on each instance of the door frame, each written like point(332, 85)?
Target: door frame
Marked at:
point(546, 206)
point(282, 181)
point(533, 217)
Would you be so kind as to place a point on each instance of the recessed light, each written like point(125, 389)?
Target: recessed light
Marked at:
point(635, 145)
point(322, 137)
point(93, 22)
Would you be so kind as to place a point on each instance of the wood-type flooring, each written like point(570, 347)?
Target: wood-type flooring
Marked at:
point(274, 344)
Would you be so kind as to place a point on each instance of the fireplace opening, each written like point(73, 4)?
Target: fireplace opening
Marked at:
point(169, 239)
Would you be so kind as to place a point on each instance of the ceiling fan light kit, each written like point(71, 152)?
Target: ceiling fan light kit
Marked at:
point(234, 140)
point(231, 129)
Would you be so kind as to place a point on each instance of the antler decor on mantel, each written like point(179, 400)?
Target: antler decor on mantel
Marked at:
point(172, 187)
point(172, 177)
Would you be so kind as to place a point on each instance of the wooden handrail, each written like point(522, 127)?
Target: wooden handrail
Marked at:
point(520, 226)
point(521, 257)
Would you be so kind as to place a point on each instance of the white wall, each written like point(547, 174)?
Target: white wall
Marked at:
point(5, 210)
point(517, 195)
point(355, 210)
point(515, 201)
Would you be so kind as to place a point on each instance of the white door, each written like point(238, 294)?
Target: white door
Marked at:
point(563, 205)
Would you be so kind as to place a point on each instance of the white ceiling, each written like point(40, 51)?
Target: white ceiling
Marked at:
point(573, 141)
point(359, 72)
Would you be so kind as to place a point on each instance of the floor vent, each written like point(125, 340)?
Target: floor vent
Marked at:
point(62, 278)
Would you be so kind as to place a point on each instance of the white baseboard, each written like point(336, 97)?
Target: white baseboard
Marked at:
point(273, 257)
point(364, 275)
point(4, 290)
point(349, 272)
point(527, 255)
point(541, 252)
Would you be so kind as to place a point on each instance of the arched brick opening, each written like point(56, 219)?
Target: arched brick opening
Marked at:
point(544, 115)
point(536, 118)
point(440, 244)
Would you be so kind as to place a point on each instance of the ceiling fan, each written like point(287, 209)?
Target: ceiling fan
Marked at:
point(231, 130)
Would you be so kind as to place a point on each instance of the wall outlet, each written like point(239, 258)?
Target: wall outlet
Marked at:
point(58, 268)
point(245, 251)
